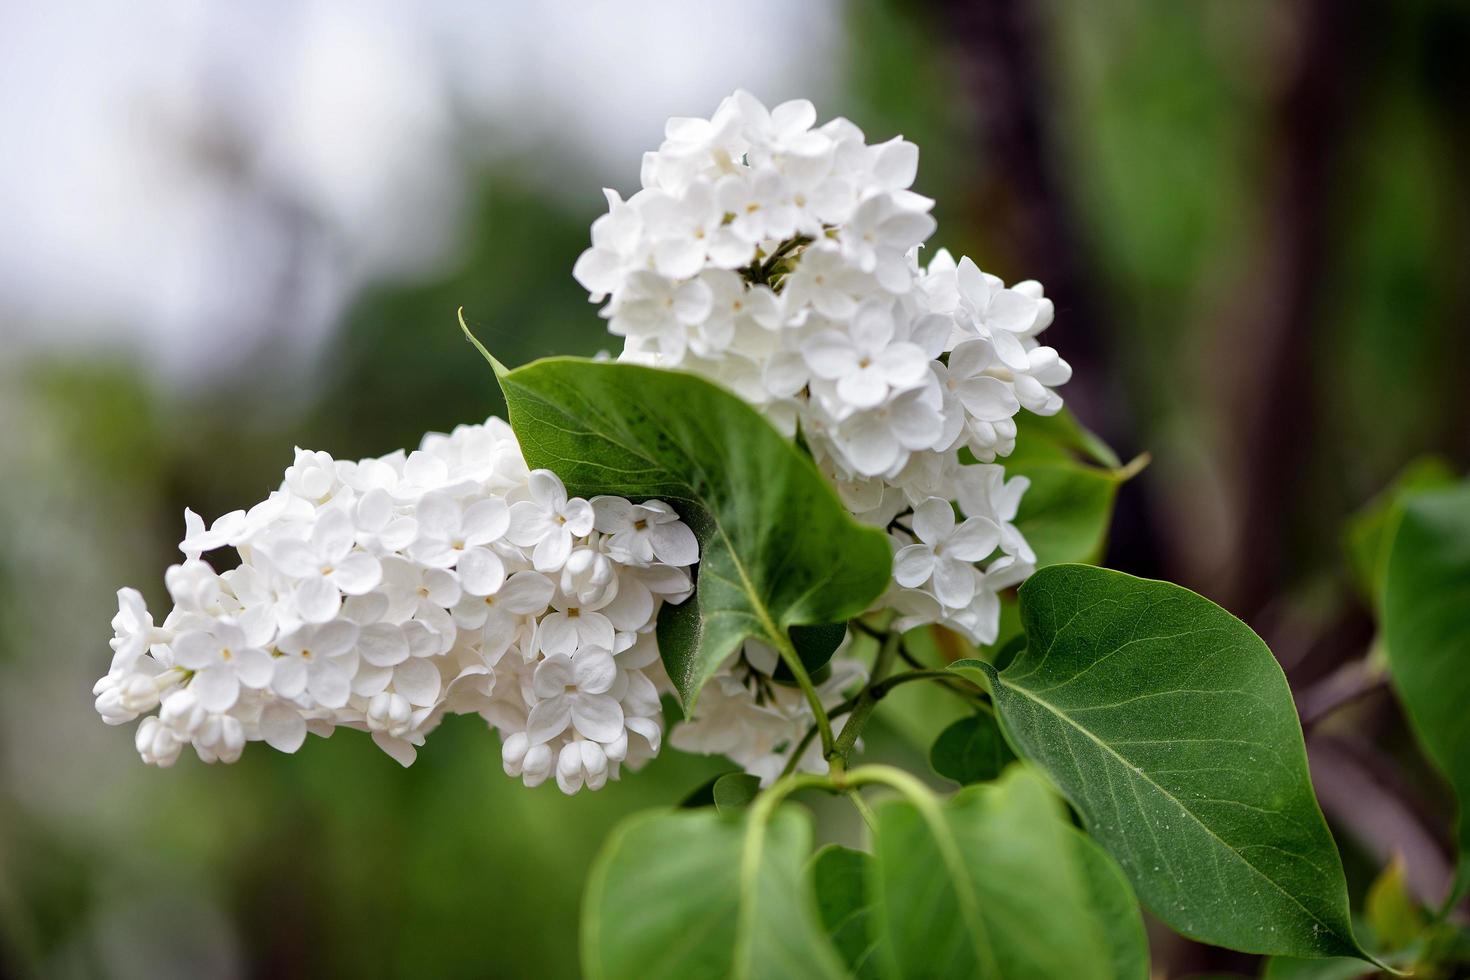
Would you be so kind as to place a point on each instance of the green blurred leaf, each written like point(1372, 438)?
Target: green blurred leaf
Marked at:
point(1370, 532)
point(1393, 916)
point(1330, 968)
point(703, 794)
point(1426, 621)
point(1170, 727)
point(1067, 510)
point(777, 548)
point(972, 750)
point(691, 893)
point(733, 792)
point(996, 883)
point(839, 877)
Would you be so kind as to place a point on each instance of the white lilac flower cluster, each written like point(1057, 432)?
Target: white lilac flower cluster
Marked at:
point(780, 259)
point(385, 593)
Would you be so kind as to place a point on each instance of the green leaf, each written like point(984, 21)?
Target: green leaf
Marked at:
point(733, 792)
point(1371, 530)
point(1062, 434)
point(690, 893)
point(839, 878)
point(1331, 968)
point(1067, 510)
point(703, 794)
point(996, 883)
point(1394, 917)
point(971, 750)
point(777, 548)
point(1170, 727)
point(1426, 623)
point(814, 645)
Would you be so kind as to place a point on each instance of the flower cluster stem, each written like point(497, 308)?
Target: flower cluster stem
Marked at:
point(867, 701)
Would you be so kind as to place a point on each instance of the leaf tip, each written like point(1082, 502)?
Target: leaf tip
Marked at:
point(500, 369)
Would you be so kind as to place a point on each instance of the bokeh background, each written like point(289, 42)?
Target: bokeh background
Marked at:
point(228, 229)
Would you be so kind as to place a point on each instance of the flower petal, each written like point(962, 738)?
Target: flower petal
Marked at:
point(382, 644)
point(282, 727)
point(595, 670)
point(481, 572)
point(596, 716)
point(217, 688)
point(933, 520)
point(418, 681)
point(485, 521)
point(548, 719)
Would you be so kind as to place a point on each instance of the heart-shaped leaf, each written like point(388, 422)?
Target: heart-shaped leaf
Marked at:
point(971, 750)
point(777, 548)
point(1170, 727)
point(691, 893)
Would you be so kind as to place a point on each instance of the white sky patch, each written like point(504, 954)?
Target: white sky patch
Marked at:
point(183, 181)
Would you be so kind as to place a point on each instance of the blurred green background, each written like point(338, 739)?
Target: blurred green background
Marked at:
point(1253, 216)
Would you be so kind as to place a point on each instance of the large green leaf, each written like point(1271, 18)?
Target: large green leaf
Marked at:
point(1426, 621)
point(996, 883)
point(840, 879)
point(1170, 727)
point(690, 893)
point(777, 548)
point(1067, 510)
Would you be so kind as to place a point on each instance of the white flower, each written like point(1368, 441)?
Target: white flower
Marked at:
point(318, 660)
point(380, 529)
point(581, 763)
point(879, 439)
point(312, 477)
point(1003, 316)
point(573, 691)
point(784, 129)
point(877, 238)
point(640, 534)
point(499, 616)
point(571, 627)
point(758, 724)
point(222, 660)
point(325, 566)
point(866, 361)
point(945, 552)
point(773, 256)
point(133, 630)
point(548, 522)
point(449, 535)
point(983, 491)
point(158, 744)
point(532, 763)
point(761, 204)
point(985, 397)
point(615, 238)
point(827, 283)
point(654, 310)
point(688, 230)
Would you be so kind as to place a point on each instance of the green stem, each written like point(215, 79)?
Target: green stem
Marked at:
point(912, 675)
point(867, 700)
point(869, 817)
point(798, 670)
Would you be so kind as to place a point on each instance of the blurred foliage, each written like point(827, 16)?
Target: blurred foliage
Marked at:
point(337, 862)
